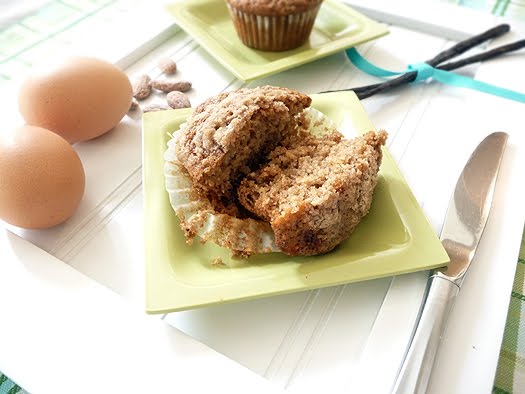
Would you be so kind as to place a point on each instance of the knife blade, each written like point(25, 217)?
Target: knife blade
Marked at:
point(465, 220)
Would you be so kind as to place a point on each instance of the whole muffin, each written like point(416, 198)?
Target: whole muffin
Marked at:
point(273, 25)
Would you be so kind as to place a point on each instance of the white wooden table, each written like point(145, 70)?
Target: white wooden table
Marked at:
point(71, 298)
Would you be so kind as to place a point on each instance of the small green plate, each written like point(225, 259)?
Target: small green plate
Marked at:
point(337, 27)
point(394, 238)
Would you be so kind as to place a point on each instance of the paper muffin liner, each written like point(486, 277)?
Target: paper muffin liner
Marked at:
point(197, 216)
point(273, 33)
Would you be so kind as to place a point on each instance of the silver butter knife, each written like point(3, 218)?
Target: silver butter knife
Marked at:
point(465, 220)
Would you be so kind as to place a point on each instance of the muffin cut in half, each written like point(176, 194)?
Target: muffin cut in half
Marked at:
point(258, 171)
point(315, 192)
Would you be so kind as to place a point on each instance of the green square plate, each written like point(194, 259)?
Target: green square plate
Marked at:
point(337, 27)
point(394, 238)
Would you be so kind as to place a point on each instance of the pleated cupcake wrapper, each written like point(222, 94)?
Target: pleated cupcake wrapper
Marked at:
point(197, 216)
point(273, 33)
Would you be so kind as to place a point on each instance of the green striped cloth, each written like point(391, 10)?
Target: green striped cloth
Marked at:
point(9, 387)
point(510, 376)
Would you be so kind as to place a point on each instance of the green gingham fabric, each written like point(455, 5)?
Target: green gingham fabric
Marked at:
point(510, 376)
point(9, 387)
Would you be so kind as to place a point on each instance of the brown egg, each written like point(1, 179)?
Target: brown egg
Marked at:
point(79, 98)
point(41, 178)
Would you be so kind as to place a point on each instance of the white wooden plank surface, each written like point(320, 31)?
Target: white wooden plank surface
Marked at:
point(62, 332)
point(432, 17)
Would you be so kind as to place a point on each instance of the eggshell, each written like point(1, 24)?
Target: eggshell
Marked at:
point(78, 98)
point(41, 178)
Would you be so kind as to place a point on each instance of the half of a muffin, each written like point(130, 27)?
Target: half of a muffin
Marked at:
point(230, 134)
point(315, 192)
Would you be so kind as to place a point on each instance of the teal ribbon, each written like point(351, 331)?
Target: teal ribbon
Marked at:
point(425, 71)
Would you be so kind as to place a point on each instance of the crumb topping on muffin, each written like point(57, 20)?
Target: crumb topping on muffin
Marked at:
point(274, 7)
point(229, 135)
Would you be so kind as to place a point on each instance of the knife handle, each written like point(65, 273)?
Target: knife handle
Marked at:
point(417, 366)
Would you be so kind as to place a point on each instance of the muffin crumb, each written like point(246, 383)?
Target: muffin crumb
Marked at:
point(217, 262)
